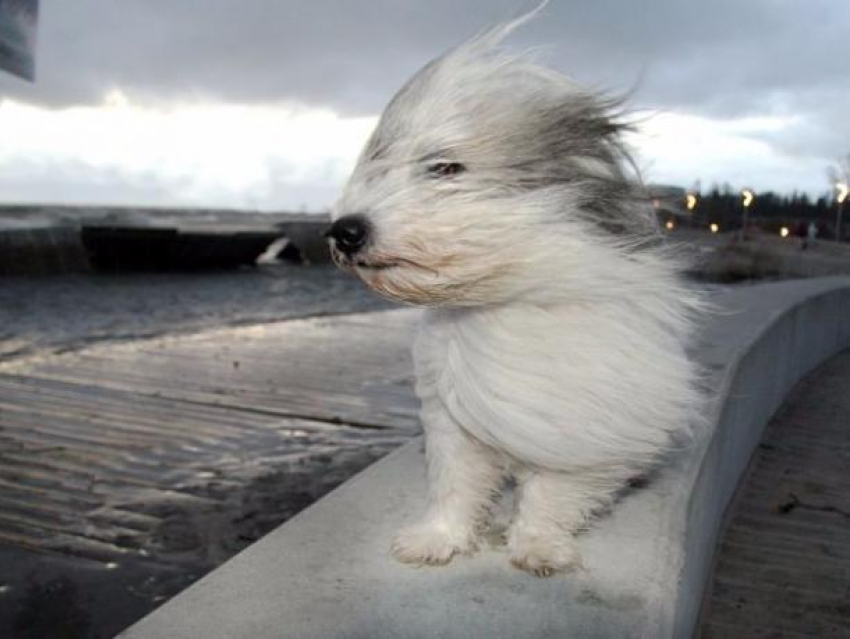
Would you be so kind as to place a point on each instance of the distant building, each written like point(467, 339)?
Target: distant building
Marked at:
point(669, 204)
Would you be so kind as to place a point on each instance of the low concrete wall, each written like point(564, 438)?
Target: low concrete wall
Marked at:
point(327, 572)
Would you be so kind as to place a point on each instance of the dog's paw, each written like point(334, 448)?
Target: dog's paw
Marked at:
point(431, 544)
point(544, 555)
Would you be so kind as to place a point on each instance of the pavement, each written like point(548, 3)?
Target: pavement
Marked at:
point(783, 565)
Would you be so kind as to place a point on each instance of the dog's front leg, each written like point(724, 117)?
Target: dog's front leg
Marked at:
point(463, 477)
point(551, 508)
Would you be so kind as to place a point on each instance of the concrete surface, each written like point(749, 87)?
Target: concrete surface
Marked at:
point(327, 572)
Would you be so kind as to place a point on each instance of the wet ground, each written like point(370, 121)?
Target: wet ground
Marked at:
point(50, 593)
point(151, 426)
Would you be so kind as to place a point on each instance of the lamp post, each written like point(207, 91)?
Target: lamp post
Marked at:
point(842, 190)
point(691, 204)
point(747, 198)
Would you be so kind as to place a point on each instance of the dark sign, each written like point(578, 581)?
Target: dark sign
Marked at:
point(18, 19)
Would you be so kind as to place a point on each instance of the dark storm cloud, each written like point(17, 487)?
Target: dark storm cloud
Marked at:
point(726, 59)
point(346, 55)
point(721, 57)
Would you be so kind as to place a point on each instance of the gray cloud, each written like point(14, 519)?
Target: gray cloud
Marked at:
point(347, 55)
point(721, 59)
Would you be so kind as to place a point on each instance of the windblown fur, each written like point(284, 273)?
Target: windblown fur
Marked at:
point(497, 195)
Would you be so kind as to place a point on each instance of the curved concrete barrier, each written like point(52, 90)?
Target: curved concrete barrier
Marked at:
point(327, 573)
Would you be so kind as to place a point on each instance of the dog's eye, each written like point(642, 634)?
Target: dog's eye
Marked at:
point(445, 169)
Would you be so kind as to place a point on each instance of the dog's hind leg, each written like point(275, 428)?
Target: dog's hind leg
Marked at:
point(463, 478)
point(550, 509)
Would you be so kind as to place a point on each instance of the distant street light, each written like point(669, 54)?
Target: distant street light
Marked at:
point(714, 228)
point(748, 197)
point(670, 225)
point(842, 190)
point(691, 201)
point(783, 232)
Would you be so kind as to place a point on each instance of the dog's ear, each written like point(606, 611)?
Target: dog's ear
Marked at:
point(564, 136)
point(582, 126)
point(576, 142)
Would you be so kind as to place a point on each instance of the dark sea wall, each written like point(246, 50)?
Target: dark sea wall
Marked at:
point(49, 239)
point(41, 251)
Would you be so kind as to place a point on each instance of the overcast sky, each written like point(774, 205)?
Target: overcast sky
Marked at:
point(265, 103)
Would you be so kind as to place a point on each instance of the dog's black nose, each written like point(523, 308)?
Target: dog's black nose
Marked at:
point(349, 233)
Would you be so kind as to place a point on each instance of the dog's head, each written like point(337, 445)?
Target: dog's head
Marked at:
point(486, 177)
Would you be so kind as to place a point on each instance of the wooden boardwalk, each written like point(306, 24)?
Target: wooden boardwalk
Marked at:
point(97, 446)
point(783, 566)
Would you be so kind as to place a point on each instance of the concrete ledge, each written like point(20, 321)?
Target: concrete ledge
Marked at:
point(327, 572)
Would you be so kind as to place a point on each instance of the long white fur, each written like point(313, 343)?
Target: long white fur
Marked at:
point(552, 350)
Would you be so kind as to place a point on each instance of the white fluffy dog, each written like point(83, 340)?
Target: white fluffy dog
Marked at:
point(494, 192)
